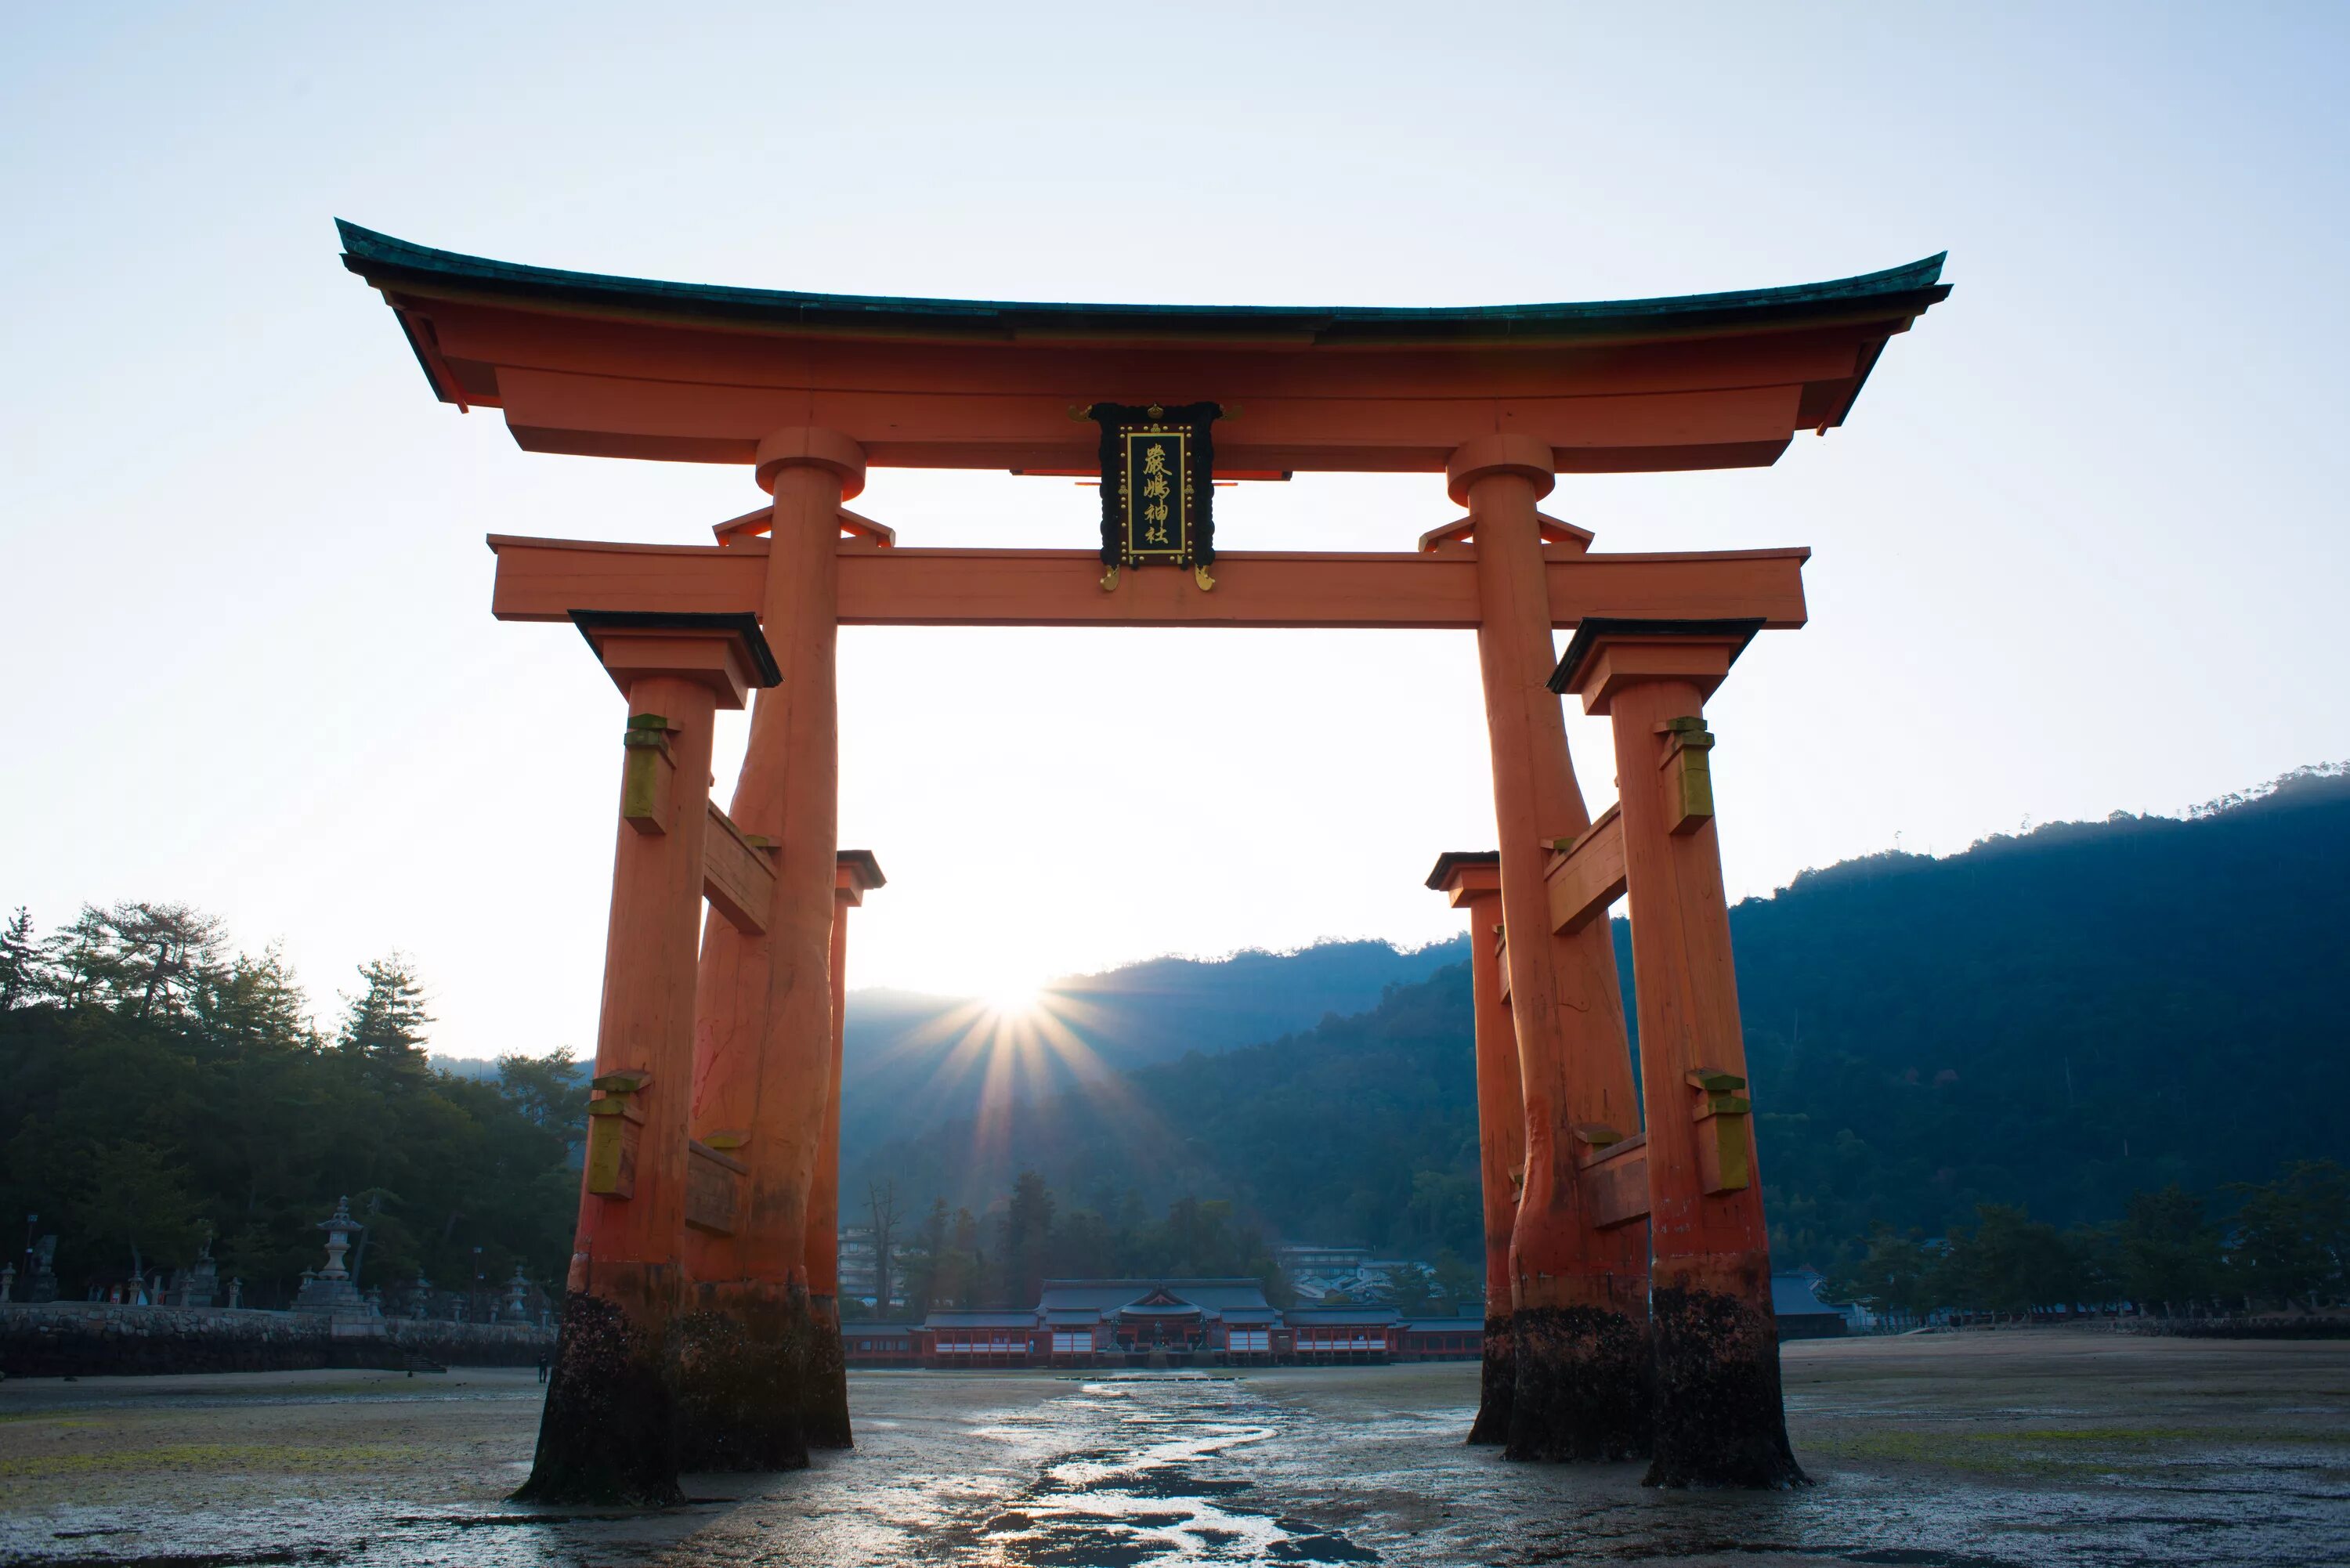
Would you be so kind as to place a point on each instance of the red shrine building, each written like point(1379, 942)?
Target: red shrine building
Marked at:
point(1160, 1323)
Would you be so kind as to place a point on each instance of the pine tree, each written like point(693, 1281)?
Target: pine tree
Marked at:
point(258, 1003)
point(24, 967)
point(383, 1026)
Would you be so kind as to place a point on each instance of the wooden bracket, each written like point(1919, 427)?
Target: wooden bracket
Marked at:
point(1614, 1180)
point(1464, 530)
point(616, 1125)
point(646, 771)
point(1587, 874)
point(1689, 779)
point(1724, 1146)
point(738, 874)
point(750, 524)
point(713, 1188)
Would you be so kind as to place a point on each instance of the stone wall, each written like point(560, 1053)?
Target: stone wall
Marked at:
point(91, 1339)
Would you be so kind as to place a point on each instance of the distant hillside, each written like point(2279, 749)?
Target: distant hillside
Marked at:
point(2056, 1019)
point(910, 1062)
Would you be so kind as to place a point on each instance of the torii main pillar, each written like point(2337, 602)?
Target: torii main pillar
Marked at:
point(608, 1432)
point(763, 1030)
point(1579, 1293)
point(857, 874)
point(1472, 880)
point(1719, 1417)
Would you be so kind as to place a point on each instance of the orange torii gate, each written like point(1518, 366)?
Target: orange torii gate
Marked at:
point(692, 1331)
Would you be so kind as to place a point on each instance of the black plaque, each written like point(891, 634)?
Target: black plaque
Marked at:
point(1158, 485)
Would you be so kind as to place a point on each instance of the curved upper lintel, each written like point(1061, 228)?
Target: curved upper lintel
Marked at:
point(382, 259)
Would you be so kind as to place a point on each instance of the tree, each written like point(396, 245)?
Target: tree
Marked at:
point(168, 952)
point(966, 1267)
point(1027, 1234)
point(24, 967)
point(550, 1090)
point(2169, 1255)
point(2011, 1264)
point(927, 1266)
point(1407, 1288)
point(151, 961)
point(2292, 1235)
point(1462, 1287)
point(383, 1026)
point(881, 1203)
point(1894, 1280)
point(257, 1004)
point(139, 1198)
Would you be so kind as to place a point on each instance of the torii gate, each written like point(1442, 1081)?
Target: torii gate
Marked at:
point(697, 1327)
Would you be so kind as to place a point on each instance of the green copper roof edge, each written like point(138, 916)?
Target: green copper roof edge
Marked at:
point(371, 254)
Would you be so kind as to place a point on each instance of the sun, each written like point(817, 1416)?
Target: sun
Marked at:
point(1012, 999)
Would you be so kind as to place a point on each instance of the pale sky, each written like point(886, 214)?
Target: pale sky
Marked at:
point(2079, 549)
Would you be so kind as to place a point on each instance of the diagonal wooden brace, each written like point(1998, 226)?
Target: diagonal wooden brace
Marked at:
point(1587, 874)
point(738, 874)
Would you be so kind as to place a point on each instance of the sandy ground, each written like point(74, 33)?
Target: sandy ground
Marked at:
point(2032, 1447)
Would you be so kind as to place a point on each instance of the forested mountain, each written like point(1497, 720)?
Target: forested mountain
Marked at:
point(2054, 1020)
point(910, 1062)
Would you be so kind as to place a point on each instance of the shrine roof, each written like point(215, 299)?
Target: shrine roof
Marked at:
point(1342, 1315)
point(384, 260)
point(1452, 860)
point(1105, 1296)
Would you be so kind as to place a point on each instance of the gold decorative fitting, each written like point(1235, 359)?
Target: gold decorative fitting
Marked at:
point(1688, 781)
point(1110, 580)
point(616, 1125)
point(1200, 575)
point(646, 772)
point(1725, 1156)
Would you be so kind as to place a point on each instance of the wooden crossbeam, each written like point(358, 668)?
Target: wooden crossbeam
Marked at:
point(546, 579)
point(1615, 1181)
point(1586, 875)
point(738, 874)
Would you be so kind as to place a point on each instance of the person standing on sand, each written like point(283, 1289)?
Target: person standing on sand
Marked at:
point(542, 1367)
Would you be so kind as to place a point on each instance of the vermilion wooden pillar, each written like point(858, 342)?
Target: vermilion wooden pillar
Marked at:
point(1719, 1417)
point(1579, 1293)
point(1472, 881)
point(763, 1058)
point(609, 1431)
point(857, 873)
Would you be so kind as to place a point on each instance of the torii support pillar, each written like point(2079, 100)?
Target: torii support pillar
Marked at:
point(608, 1433)
point(1579, 1292)
point(1472, 880)
point(857, 874)
point(762, 1032)
point(1719, 1420)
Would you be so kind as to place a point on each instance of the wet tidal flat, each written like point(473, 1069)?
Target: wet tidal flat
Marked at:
point(2036, 1447)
